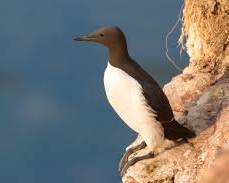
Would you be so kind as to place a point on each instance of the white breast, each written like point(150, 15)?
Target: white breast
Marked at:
point(124, 94)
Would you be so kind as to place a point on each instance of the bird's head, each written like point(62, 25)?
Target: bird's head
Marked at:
point(109, 36)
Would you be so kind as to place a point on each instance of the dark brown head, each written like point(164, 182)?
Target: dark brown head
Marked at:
point(114, 39)
point(110, 36)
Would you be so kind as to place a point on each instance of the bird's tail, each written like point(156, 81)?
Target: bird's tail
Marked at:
point(186, 131)
point(175, 131)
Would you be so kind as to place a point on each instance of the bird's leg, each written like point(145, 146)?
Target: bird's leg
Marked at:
point(135, 160)
point(130, 151)
point(168, 144)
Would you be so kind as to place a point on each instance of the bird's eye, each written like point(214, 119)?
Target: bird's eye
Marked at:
point(101, 35)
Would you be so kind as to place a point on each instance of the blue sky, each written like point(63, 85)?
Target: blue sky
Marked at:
point(56, 125)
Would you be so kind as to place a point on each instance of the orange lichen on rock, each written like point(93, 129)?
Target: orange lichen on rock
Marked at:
point(200, 100)
point(205, 32)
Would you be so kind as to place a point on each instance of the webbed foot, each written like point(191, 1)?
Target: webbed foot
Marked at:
point(135, 160)
point(124, 159)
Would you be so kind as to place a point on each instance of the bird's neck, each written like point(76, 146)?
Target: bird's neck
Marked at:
point(117, 55)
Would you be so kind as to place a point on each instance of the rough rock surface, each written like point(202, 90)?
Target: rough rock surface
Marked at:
point(208, 115)
point(200, 100)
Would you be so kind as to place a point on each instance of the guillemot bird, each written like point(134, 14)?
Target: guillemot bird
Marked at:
point(136, 97)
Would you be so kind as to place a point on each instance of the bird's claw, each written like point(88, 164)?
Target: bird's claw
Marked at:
point(124, 159)
point(133, 161)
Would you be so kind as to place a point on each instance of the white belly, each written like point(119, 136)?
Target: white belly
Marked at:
point(124, 94)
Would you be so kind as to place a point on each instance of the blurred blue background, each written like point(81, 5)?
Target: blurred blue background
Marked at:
point(55, 122)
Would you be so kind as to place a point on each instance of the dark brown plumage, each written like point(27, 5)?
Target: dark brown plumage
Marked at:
point(114, 39)
point(148, 96)
point(158, 101)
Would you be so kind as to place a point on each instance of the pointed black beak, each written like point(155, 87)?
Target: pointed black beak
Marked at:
point(82, 38)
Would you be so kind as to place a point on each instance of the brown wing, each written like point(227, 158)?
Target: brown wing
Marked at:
point(158, 101)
